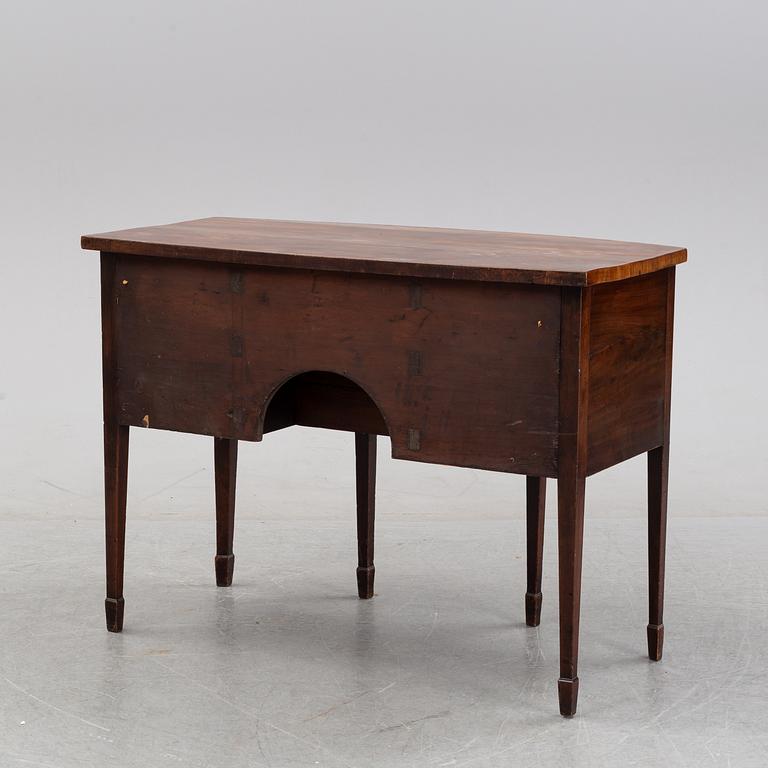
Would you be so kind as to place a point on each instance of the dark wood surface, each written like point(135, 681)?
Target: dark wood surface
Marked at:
point(116, 435)
point(225, 472)
point(627, 364)
point(470, 363)
point(207, 348)
point(388, 250)
point(535, 502)
point(658, 477)
point(365, 487)
point(325, 400)
point(572, 472)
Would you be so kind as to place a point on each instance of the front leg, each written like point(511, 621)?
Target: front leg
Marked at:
point(115, 493)
point(658, 472)
point(658, 478)
point(115, 452)
point(570, 538)
point(572, 463)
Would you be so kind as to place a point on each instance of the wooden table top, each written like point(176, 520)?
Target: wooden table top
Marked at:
point(389, 250)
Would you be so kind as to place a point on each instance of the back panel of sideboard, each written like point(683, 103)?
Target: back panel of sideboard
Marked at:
point(463, 373)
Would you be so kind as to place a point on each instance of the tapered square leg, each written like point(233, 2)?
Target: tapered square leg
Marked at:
point(570, 523)
point(115, 453)
point(658, 477)
point(572, 464)
point(658, 472)
point(115, 494)
point(225, 470)
point(535, 489)
point(365, 476)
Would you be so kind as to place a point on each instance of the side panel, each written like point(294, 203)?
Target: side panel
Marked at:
point(464, 373)
point(627, 354)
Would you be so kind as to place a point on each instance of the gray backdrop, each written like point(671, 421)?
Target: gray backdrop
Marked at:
point(638, 121)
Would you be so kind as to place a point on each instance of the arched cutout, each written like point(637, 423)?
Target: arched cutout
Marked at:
point(323, 399)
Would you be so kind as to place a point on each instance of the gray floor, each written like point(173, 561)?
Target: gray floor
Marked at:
point(288, 668)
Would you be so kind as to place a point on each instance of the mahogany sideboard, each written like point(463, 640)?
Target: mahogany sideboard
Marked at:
point(543, 356)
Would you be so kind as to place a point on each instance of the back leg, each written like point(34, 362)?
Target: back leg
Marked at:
point(225, 470)
point(535, 491)
point(365, 476)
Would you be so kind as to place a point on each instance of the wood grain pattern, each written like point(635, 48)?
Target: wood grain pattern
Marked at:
point(206, 347)
point(627, 360)
point(420, 252)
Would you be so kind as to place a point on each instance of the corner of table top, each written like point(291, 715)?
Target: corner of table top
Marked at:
point(670, 258)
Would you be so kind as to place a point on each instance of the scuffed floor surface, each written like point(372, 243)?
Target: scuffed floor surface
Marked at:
point(288, 668)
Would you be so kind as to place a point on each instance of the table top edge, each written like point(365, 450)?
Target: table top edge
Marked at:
point(125, 242)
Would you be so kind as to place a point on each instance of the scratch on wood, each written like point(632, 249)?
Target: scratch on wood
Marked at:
point(145, 421)
point(415, 291)
point(414, 440)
